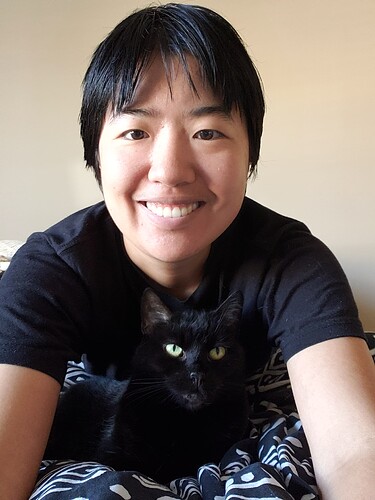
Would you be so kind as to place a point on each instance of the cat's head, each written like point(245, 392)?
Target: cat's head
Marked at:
point(196, 353)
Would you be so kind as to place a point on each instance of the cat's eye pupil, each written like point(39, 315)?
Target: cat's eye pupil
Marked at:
point(174, 350)
point(217, 353)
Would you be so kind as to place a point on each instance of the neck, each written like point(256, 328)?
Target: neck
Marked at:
point(179, 279)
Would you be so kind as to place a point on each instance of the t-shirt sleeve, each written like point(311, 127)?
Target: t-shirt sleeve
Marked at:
point(306, 297)
point(44, 310)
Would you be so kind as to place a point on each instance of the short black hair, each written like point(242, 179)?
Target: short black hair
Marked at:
point(171, 30)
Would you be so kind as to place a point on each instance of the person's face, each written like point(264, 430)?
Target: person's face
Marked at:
point(173, 168)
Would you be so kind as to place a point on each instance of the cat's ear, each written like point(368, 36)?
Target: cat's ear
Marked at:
point(231, 310)
point(153, 311)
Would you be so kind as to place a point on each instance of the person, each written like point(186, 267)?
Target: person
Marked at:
point(171, 123)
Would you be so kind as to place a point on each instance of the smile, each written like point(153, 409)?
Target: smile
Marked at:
point(171, 211)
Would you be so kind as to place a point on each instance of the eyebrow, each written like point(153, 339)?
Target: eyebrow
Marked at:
point(219, 110)
point(132, 111)
point(198, 112)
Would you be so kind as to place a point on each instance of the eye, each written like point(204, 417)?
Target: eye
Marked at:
point(217, 353)
point(208, 135)
point(135, 135)
point(174, 350)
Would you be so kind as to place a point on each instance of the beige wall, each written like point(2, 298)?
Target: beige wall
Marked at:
point(317, 61)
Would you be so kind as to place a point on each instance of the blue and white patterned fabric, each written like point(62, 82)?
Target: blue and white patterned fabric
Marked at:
point(273, 462)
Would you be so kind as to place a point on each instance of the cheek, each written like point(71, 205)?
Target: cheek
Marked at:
point(229, 175)
point(117, 174)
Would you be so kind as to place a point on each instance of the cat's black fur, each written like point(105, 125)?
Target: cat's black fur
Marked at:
point(175, 413)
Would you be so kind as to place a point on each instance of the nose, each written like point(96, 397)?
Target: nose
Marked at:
point(171, 160)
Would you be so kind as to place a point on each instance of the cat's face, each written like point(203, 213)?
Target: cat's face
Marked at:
point(194, 354)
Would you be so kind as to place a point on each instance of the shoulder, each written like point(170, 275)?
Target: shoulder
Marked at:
point(266, 227)
point(85, 235)
point(86, 224)
point(259, 239)
point(278, 240)
point(292, 278)
point(83, 248)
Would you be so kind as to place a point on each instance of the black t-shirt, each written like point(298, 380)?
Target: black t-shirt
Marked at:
point(73, 291)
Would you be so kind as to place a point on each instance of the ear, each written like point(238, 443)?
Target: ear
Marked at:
point(230, 311)
point(153, 311)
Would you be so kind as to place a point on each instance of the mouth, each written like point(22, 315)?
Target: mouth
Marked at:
point(194, 401)
point(170, 211)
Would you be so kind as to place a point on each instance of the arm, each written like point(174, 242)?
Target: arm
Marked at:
point(28, 400)
point(334, 387)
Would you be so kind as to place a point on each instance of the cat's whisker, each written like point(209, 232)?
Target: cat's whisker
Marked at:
point(147, 380)
point(143, 391)
point(143, 394)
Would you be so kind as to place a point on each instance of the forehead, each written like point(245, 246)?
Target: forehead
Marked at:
point(174, 80)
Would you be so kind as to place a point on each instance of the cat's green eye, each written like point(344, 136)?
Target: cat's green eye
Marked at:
point(174, 350)
point(217, 353)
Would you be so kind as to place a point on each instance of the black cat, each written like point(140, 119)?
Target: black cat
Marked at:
point(184, 405)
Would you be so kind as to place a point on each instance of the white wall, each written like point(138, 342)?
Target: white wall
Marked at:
point(317, 61)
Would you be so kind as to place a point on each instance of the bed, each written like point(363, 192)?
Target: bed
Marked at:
point(272, 462)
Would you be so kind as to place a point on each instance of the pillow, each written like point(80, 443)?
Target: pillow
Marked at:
point(7, 249)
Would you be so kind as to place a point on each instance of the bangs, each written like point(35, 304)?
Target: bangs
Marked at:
point(186, 40)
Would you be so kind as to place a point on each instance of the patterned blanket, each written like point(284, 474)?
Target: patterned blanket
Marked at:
point(273, 462)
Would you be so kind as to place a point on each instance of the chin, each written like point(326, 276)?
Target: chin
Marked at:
point(173, 252)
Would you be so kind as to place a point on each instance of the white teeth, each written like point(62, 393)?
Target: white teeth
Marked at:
point(171, 211)
point(167, 212)
point(176, 212)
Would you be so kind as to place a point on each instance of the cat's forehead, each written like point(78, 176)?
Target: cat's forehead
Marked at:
point(197, 327)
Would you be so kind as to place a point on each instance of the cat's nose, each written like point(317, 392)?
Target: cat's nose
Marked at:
point(196, 378)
